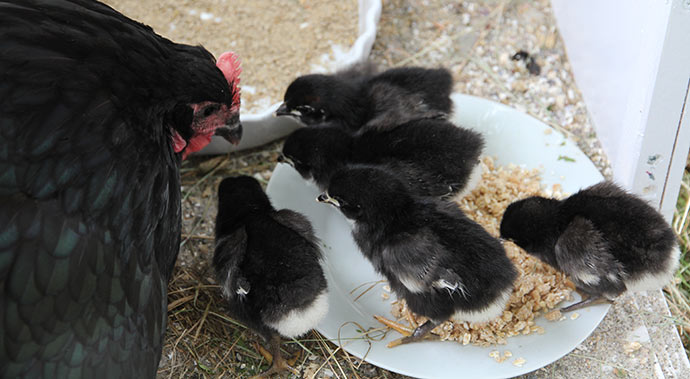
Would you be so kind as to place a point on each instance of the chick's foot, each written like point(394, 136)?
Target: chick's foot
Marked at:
point(278, 363)
point(592, 300)
point(422, 332)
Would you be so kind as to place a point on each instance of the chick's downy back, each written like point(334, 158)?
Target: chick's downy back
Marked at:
point(637, 235)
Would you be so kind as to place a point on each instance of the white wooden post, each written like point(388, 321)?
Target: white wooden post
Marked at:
point(631, 61)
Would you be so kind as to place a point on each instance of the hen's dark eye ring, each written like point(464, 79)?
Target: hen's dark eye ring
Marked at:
point(211, 109)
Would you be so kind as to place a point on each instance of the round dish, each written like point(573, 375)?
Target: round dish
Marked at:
point(511, 137)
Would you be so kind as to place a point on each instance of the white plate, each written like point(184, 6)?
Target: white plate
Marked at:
point(263, 127)
point(512, 137)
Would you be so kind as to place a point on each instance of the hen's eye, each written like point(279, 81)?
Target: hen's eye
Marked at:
point(211, 109)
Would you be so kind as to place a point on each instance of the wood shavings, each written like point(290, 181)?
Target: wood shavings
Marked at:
point(276, 40)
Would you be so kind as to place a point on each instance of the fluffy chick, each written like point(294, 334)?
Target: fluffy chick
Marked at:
point(442, 263)
point(268, 265)
point(360, 98)
point(606, 239)
point(432, 157)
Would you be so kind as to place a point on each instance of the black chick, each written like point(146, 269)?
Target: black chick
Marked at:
point(432, 157)
point(268, 265)
point(606, 239)
point(359, 98)
point(437, 259)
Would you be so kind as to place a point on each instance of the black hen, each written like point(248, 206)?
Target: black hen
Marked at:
point(359, 98)
point(267, 263)
point(442, 263)
point(606, 239)
point(95, 113)
point(432, 157)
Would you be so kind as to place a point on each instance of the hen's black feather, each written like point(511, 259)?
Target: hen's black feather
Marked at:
point(89, 185)
point(360, 98)
point(432, 157)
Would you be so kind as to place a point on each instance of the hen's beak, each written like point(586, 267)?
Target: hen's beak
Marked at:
point(326, 198)
point(232, 131)
point(283, 159)
point(284, 111)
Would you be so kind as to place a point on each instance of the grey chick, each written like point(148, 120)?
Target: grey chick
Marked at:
point(360, 98)
point(268, 266)
point(608, 240)
point(442, 263)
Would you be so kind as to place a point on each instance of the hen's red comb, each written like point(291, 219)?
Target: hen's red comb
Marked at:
point(229, 63)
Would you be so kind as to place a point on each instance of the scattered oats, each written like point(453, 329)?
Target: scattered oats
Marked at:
point(554, 315)
point(548, 131)
point(519, 362)
point(385, 296)
point(508, 353)
point(494, 354)
point(387, 288)
point(574, 316)
point(632, 347)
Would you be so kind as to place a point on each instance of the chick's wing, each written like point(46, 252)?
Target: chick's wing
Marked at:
point(583, 253)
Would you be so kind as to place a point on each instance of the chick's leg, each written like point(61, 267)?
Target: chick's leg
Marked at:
point(278, 363)
point(597, 299)
point(420, 333)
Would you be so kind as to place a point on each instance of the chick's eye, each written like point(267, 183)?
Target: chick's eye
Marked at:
point(306, 109)
point(211, 109)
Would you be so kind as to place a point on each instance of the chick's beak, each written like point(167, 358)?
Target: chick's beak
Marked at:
point(232, 131)
point(284, 110)
point(283, 159)
point(326, 198)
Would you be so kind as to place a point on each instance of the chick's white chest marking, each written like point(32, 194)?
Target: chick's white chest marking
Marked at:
point(299, 321)
point(655, 280)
